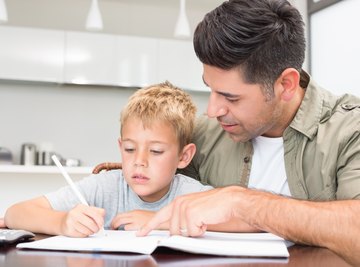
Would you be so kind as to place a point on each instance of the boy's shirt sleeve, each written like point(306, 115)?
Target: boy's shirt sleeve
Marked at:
point(65, 199)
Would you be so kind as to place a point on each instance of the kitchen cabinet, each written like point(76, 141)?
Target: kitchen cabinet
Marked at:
point(178, 64)
point(97, 59)
point(31, 54)
point(90, 58)
point(110, 59)
point(137, 61)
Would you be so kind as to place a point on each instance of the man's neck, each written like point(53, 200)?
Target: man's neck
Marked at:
point(289, 111)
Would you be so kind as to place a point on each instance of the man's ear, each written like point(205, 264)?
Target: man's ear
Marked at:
point(186, 155)
point(288, 83)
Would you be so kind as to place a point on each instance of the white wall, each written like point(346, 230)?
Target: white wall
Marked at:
point(83, 121)
point(335, 53)
point(153, 18)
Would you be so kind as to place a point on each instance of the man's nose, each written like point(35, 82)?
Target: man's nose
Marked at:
point(215, 107)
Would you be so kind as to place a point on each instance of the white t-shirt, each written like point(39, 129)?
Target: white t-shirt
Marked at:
point(268, 166)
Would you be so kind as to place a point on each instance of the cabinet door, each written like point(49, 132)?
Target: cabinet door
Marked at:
point(179, 65)
point(31, 54)
point(90, 58)
point(137, 61)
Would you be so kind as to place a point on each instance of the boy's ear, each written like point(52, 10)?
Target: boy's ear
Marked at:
point(186, 156)
point(119, 143)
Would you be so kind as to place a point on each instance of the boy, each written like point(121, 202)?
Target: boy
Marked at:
point(156, 129)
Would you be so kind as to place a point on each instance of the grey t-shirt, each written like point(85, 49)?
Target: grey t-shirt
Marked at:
point(109, 190)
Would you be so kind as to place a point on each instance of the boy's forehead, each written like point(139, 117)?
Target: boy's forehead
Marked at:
point(159, 126)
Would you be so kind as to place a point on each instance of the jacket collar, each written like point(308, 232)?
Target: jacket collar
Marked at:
point(312, 110)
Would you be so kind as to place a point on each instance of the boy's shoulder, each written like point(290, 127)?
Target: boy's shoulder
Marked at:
point(106, 177)
point(188, 185)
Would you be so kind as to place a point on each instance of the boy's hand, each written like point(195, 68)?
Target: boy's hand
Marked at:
point(2, 223)
point(82, 221)
point(132, 220)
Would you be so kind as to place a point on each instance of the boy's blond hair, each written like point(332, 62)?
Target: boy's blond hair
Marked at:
point(166, 103)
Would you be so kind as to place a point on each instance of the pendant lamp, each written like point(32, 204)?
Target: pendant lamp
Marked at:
point(94, 20)
point(3, 12)
point(182, 27)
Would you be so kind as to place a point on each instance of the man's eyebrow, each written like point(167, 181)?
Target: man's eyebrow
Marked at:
point(221, 93)
point(228, 95)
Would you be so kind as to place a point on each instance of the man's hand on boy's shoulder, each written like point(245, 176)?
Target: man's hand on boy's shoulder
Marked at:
point(132, 220)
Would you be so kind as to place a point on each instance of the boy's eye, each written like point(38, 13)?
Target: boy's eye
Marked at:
point(156, 152)
point(129, 150)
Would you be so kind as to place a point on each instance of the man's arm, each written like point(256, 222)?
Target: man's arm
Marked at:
point(334, 224)
point(233, 225)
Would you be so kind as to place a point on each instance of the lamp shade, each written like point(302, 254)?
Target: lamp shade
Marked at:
point(94, 20)
point(3, 12)
point(182, 27)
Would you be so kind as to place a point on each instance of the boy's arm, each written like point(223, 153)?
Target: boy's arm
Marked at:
point(2, 223)
point(34, 215)
point(37, 215)
point(135, 219)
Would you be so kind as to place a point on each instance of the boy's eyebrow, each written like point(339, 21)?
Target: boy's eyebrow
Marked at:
point(151, 141)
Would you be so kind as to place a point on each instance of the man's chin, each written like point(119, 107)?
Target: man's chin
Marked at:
point(238, 138)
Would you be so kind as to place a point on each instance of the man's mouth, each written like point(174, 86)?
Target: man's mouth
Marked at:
point(227, 126)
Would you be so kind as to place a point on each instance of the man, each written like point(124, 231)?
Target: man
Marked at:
point(294, 148)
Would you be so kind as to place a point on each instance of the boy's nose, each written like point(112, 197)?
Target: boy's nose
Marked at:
point(141, 160)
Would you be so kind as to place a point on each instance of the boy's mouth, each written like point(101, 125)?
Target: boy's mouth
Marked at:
point(139, 178)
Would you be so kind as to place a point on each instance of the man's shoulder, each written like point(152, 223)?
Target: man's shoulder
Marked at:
point(207, 130)
point(321, 108)
point(345, 113)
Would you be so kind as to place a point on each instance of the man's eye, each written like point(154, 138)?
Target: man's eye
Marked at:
point(231, 100)
point(129, 150)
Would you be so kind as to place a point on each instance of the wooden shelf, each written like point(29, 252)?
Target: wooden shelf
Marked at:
point(43, 169)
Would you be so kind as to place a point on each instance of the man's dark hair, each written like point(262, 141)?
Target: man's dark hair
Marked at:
point(260, 37)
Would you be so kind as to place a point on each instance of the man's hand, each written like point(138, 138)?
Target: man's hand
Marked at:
point(82, 221)
point(132, 220)
point(192, 213)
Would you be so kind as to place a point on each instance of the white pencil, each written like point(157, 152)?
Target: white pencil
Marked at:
point(71, 184)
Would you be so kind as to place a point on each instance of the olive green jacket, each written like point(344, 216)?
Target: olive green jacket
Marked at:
point(321, 150)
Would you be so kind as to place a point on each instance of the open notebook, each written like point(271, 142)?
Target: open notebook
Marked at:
point(213, 243)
